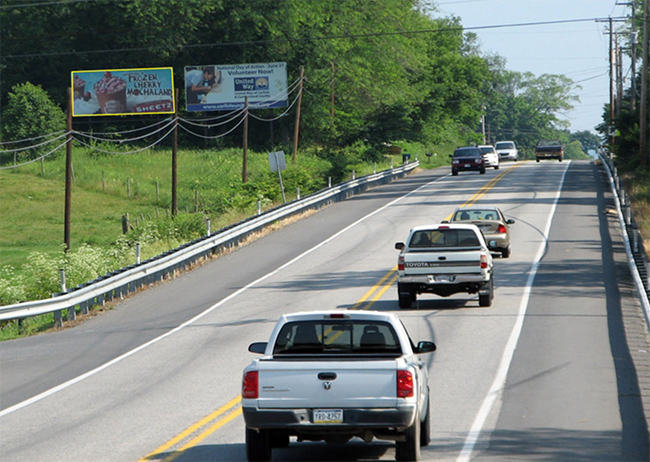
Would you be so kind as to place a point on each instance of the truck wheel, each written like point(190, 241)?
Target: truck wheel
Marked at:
point(486, 300)
point(537, 160)
point(454, 172)
point(560, 159)
point(425, 429)
point(279, 439)
point(409, 450)
point(258, 445)
point(404, 300)
point(482, 171)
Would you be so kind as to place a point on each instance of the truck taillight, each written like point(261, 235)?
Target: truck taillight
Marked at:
point(400, 263)
point(502, 229)
point(250, 385)
point(404, 384)
point(484, 263)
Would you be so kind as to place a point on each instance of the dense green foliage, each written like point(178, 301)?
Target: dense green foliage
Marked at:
point(30, 114)
point(395, 69)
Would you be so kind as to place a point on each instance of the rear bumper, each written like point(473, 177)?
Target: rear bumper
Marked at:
point(301, 420)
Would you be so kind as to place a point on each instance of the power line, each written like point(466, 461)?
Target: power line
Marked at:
point(27, 5)
point(304, 39)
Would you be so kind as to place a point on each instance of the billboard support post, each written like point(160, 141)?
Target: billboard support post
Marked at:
point(68, 176)
point(244, 173)
point(297, 127)
point(175, 158)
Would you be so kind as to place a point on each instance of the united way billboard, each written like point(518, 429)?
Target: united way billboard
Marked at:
point(123, 92)
point(225, 87)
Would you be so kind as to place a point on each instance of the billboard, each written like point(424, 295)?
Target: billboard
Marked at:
point(123, 92)
point(225, 87)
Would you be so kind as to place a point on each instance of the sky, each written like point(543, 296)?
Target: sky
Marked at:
point(578, 50)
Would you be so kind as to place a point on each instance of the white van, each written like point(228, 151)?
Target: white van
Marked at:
point(507, 150)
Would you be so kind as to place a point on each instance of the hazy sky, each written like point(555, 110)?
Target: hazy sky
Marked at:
point(578, 50)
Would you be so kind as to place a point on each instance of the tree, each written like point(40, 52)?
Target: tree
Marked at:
point(30, 115)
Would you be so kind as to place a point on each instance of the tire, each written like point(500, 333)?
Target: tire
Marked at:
point(560, 159)
point(409, 450)
point(482, 171)
point(404, 300)
point(279, 439)
point(496, 167)
point(405, 296)
point(425, 428)
point(505, 253)
point(258, 445)
point(454, 172)
point(537, 160)
point(486, 300)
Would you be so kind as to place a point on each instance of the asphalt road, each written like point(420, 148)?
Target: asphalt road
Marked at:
point(548, 372)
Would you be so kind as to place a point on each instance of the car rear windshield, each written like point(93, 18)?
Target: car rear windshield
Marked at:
point(444, 238)
point(467, 152)
point(462, 215)
point(505, 145)
point(337, 337)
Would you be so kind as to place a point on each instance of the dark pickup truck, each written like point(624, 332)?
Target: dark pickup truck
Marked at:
point(549, 149)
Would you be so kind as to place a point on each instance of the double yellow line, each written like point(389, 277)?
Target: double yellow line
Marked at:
point(196, 433)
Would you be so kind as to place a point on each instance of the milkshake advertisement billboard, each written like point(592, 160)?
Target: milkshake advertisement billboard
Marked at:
point(225, 87)
point(123, 92)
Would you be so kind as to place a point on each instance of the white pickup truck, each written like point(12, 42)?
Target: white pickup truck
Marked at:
point(444, 260)
point(334, 375)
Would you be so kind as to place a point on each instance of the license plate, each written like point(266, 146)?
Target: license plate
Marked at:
point(327, 416)
point(468, 165)
point(445, 278)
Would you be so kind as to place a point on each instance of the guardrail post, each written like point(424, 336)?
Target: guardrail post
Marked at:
point(207, 225)
point(329, 181)
point(353, 174)
point(374, 168)
point(297, 193)
point(635, 239)
point(259, 207)
point(137, 253)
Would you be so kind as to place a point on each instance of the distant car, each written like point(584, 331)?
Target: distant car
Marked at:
point(490, 156)
point(491, 221)
point(467, 159)
point(507, 150)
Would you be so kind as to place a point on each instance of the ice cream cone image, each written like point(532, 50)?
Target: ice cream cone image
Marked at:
point(111, 94)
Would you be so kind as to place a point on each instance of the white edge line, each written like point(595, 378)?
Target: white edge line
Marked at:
point(92, 372)
point(502, 372)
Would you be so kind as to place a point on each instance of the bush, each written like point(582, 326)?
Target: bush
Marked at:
point(44, 118)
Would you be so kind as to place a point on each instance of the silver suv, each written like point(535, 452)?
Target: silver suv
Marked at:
point(507, 150)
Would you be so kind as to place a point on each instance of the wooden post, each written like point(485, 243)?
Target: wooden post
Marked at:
point(68, 176)
point(297, 127)
point(175, 159)
point(643, 104)
point(244, 173)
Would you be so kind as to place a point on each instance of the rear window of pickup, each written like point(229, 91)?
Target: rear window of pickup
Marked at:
point(444, 238)
point(348, 337)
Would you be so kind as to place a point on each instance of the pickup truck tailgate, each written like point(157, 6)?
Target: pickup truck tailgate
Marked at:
point(442, 262)
point(342, 384)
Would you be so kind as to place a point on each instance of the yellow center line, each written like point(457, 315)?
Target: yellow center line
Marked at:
point(221, 415)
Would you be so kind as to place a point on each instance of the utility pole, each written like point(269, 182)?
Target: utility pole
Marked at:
point(643, 119)
point(611, 84)
point(296, 131)
point(633, 44)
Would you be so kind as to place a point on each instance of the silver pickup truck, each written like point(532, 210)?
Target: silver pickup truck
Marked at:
point(334, 375)
point(444, 260)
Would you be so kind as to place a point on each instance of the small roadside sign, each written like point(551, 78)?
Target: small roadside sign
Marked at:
point(277, 161)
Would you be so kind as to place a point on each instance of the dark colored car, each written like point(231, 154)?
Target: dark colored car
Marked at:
point(467, 158)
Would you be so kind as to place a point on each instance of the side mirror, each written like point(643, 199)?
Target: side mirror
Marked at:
point(510, 221)
point(257, 347)
point(425, 347)
point(399, 246)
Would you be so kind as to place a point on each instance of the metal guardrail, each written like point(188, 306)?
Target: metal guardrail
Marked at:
point(636, 255)
point(127, 280)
